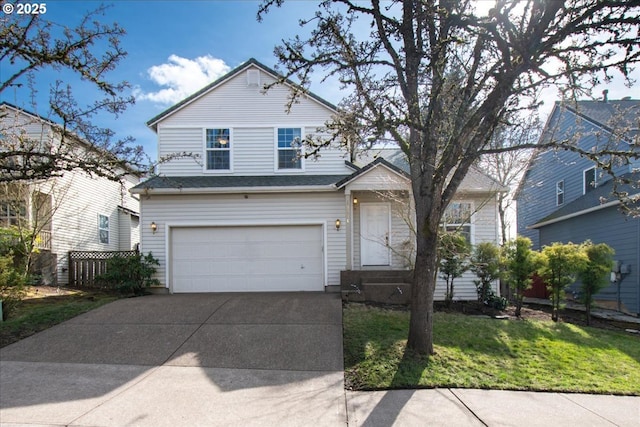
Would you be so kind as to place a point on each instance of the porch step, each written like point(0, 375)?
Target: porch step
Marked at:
point(349, 277)
point(383, 293)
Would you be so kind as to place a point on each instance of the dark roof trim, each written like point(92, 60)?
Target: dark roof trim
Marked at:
point(215, 184)
point(365, 169)
point(128, 211)
point(252, 61)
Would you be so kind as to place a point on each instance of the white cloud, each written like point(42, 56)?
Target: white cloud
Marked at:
point(180, 77)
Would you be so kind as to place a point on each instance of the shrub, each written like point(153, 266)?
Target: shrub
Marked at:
point(520, 262)
point(485, 263)
point(453, 252)
point(560, 264)
point(12, 283)
point(130, 274)
point(594, 275)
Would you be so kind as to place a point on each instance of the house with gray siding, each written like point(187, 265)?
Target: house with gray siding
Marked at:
point(564, 197)
point(71, 212)
point(246, 210)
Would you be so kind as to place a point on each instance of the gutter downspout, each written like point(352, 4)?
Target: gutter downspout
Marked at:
point(638, 268)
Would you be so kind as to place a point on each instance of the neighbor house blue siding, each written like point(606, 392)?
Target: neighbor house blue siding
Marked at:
point(536, 197)
point(620, 232)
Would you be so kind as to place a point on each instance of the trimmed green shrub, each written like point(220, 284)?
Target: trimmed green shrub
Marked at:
point(130, 274)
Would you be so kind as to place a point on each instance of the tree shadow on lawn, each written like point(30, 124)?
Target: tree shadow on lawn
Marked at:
point(499, 337)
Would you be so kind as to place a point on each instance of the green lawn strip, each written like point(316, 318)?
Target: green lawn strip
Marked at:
point(38, 314)
point(473, 352)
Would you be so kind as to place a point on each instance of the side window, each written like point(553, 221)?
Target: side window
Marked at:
point(103, 229)
point(559, 193)
point(289, 148)
point(457, 218)
point(589, 176)
point(218, 149)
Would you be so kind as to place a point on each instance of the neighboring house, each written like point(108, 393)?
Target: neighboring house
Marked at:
point(564, 198)
point(246, 211)
point(73, 212)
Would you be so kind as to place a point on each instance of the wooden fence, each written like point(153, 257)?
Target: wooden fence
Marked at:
point(85, 266)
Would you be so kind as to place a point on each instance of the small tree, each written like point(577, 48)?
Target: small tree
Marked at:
point(453, 252)
point(521, 264)
point(594, 275)
point(560, 264)
point(485, 264)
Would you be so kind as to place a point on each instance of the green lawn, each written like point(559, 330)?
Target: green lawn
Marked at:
point(36, 314)
point(474, 352)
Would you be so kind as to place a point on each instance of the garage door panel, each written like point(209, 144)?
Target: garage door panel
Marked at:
point(251, 258)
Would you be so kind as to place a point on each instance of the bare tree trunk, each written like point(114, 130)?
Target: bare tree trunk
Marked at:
point(424, 277)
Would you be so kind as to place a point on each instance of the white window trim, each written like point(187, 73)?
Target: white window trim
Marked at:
point(558, 193)
point(108, 229)
point(276, 150)
point(471, 223)
point(205, 150)
point(584, 179)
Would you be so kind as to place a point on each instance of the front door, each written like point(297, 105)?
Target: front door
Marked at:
point(374, 234)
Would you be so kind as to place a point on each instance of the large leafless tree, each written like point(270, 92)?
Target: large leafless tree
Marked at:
point(440, 77)
point(31, 44)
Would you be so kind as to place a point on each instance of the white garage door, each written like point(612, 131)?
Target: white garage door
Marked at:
point(240, 259)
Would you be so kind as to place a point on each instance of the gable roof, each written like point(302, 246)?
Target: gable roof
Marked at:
point(380, 161)
point(250, 63)
point(599, 198)
point(624, 112)
point(603, 114)
point(475, 180)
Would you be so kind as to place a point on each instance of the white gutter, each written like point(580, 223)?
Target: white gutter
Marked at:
point(228, 190)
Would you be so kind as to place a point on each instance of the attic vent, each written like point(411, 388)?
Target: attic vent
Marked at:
point(253, 78)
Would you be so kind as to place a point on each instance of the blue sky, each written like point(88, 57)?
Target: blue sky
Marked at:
point(176, 47)
point(185, 41)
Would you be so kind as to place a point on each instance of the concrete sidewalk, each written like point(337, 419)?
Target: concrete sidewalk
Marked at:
point(241, 359)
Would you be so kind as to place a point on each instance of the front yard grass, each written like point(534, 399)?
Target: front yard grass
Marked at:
point(36, 313)
point(473, 352)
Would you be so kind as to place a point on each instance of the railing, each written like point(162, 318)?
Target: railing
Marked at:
point(43, 240)
point(85, 266)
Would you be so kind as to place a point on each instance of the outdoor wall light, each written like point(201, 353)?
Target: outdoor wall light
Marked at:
point(154, 227)
point(337, 224)
point(355, 200)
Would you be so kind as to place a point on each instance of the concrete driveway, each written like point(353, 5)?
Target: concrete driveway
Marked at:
point(197, 359)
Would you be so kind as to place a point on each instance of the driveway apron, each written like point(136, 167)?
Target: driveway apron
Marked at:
point(191, 359)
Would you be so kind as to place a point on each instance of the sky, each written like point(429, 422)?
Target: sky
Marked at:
point(177, 47)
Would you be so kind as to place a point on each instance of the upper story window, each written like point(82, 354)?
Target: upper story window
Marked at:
point(457, 218)
point(103, 229)
point(559, 193)
point(11, 212)
point(218, 149)
point(589, 176)
point(289, 148)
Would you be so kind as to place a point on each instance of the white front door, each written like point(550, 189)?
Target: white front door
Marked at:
point(374, 234)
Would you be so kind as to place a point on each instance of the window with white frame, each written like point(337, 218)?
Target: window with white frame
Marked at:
point(457, 218)
point(103, 229)
point(589, 180)
point(559, 193)
point(289, 148)
point(11, 212)
point(218, 149)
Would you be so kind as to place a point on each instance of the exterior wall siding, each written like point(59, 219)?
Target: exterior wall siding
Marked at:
point(484, 229)
point(618, 231)
point(537, 195)
point(236, 103)
point(236, 209)
point(78, 200)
